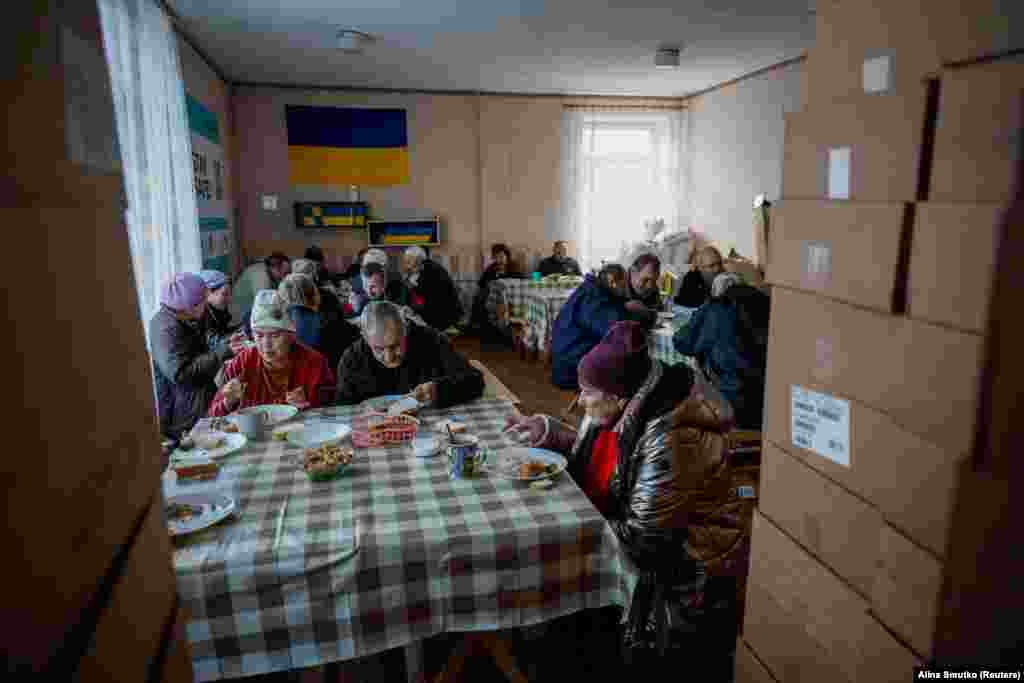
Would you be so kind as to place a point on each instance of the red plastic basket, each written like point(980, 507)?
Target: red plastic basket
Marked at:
point(401, 428)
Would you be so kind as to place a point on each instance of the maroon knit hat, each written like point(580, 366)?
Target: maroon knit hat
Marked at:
point(620, 363)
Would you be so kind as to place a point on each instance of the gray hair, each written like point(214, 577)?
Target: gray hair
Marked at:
point(722, 282)
point(296, 290)
point(418, 253)
point(305, 266)
point(377, 313)
point(375, 256)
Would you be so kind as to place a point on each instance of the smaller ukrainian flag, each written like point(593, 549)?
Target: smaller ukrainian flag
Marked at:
point(347, 146)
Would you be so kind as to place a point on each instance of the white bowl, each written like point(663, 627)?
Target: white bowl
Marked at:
point(313, 435)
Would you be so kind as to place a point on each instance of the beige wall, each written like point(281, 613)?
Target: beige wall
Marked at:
point(487, 165)
point(203, 83)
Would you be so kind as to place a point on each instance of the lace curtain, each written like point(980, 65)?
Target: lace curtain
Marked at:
point(622, 179)
point(152, 128)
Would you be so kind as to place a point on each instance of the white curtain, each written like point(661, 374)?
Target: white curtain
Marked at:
point(622, 179)
point(152, 128)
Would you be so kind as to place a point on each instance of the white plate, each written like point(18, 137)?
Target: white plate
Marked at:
point(427, 446)
point(213, 508)
point(232, 442)
point(276, 414)
point(508, 460)
point(313, 435)
point(383, 403)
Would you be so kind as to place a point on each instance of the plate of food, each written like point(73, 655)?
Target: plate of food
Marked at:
point(313, 435)
point(189, 513)
point(209, 445)
point(455, 426)
point(276, 413)
point(327, 461)
point(529, 464)
point(394, 404)
point(284, 432)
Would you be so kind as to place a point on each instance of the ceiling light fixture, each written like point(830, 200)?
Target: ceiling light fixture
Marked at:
point(667, 57)
point(352, 41)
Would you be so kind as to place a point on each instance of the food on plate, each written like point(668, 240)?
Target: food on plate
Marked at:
point(534, 468)
point(210, 442)
point(181, 512)
point(325, 459)
point(404, 406)
point(221, 424)
point(197, 472)
point(390, 422)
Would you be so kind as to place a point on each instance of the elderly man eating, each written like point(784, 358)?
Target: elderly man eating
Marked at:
point(432, 293)
point(278, 370)
point(395, 357)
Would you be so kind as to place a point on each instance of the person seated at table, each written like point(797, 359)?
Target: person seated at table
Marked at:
point(354, 268)
point(643, 297)
point(278, 370)
point(559, 263)
point(396, 357)
point(651, 454)
point(329, 336)
point(316, 255)
point(330, 306)
point(501, 266)
point(728, 336)
point(432, 292)
point(266, 274)
point(220, 331)
point(585, 319)
point(695, 289)
point(184, 366)
point(376, 283)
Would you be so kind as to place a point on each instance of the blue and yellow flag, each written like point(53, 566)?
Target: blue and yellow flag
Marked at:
point(347, 146)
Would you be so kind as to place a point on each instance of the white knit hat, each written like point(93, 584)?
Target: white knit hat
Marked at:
point(376, 256)
point(268, 312)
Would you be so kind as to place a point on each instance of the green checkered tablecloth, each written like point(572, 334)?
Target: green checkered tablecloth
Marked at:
point(513, 293)
point(541, 310)
point(391, 552)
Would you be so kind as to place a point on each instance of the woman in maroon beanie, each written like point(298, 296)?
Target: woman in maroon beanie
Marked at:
point(651, 454)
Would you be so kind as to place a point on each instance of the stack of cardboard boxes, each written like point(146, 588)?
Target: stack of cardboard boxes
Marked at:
point(881, 260)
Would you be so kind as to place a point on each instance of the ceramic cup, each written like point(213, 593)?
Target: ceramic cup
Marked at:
point(252, 422)
point(465, 458)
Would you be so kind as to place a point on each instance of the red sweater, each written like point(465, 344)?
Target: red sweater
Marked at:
point(310, 371)
point(603, 457)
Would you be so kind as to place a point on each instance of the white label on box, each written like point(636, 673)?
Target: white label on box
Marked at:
point(270, 202)
point(839, 173)
point(877, 74)
point(821, 423)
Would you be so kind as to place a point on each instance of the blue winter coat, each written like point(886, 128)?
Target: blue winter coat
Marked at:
point(580, 326)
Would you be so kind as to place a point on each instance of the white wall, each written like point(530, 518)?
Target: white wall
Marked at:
point(735, 152)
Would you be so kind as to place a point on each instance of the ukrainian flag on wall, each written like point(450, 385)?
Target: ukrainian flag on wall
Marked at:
point(347, 146)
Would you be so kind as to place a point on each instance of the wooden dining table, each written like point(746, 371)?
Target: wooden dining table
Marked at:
point(392, 552)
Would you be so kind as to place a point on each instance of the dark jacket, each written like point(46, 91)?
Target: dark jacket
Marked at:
point(670, 492)
point(428, 358)
point(184, 368)
point(712, 337)
point(331, 336)
point(440, 305)
point(581, 324)
point(218, 327)
point(652, 301)
point(479, 313)
point(693, 291)
point(554, 266)
point(307, 326)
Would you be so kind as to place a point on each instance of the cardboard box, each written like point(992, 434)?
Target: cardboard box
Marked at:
point(805, 624)
point(865, 148)
point(952, 263)
point(906, 590)
point(871, 46)
point(850, 251)
point(838, 528)
point(923, 376)
point(976, 29)
point(911, 481)
point(977, 133)
point(748, 668)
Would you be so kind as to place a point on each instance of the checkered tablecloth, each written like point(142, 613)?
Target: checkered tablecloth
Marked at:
point(541, 310)
point(391, 552)
point(513, 293)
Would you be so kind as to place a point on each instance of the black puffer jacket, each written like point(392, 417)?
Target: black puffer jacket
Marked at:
point(184, 368)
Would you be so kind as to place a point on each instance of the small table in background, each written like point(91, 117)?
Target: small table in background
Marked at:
point(542, 308)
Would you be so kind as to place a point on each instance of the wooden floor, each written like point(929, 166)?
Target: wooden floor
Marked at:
point(582, 646)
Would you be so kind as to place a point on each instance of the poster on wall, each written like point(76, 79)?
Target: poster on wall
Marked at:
point(215, 231)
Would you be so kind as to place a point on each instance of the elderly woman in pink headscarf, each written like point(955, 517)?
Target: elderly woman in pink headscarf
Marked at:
point(183, 363)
